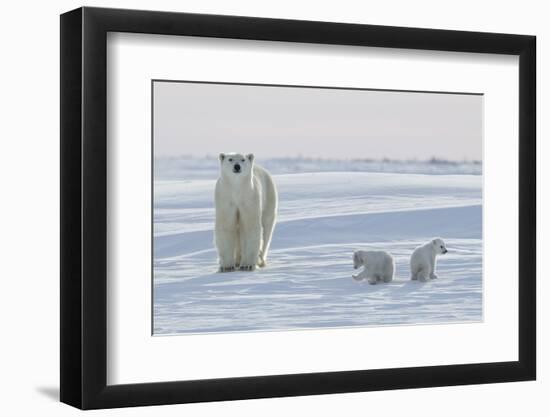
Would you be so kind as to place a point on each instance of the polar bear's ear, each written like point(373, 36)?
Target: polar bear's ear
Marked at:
point(250, 157)
point(222, 157)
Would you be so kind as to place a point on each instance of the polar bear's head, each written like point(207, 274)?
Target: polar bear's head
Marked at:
point(357, 259)
point(236, 164)
point(439, 246)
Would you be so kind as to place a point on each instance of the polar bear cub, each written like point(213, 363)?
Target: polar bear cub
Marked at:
point(379, 266)
point(423, 259)
point(246, 210)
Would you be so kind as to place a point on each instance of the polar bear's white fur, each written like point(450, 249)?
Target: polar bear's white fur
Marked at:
point(423, 259)
point(246, 210)
point(379, 266)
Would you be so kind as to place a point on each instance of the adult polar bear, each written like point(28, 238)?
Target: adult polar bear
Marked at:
point(246, 209)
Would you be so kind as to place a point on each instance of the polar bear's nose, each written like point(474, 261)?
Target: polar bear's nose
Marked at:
point(237, 168)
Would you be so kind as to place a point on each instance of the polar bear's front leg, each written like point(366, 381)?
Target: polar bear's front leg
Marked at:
point(364, 274)
point(251, 240)
point(423, 275)
point(237, 248)
point(225, 242)
point(226, 234)
point(432, 272)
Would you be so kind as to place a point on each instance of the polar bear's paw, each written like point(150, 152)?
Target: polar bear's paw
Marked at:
point(247, 267)
point(423, 278)
point(226, 269)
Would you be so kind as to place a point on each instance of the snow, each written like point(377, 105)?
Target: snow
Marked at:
point(323, 217)
point(188, 167)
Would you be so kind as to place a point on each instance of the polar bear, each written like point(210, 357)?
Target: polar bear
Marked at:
point(423, 259)
point(379, 266)
point(246, 210)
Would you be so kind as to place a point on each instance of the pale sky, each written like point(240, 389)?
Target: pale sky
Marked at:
point(206, 119)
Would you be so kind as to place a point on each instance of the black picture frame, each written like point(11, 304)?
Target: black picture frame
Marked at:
point(84, 207)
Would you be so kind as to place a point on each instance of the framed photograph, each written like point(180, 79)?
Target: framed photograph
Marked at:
point(259, 208)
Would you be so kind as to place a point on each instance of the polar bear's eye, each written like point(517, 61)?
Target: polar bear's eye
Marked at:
point(230, 159)
point(242, 160)
point(441, 247)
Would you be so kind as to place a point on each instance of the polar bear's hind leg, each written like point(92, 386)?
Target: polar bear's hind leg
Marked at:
point(268, 224)
point(269, 217)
